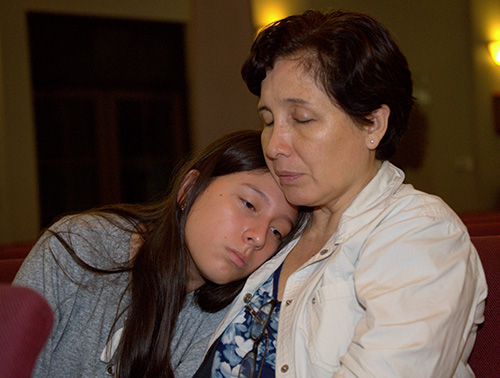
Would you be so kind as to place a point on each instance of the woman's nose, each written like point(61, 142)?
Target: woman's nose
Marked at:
point(275, 142)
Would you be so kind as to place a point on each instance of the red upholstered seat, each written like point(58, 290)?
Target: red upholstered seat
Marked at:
point(26, 320)
point(15, 251)
point(487, 216)
point(8, 269)
point(484, 358)
point(11, 258)
point(484, 229)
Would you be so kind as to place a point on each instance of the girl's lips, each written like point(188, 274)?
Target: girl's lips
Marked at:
point(237, 258)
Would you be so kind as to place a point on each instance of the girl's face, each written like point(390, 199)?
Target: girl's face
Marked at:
point(234, 226)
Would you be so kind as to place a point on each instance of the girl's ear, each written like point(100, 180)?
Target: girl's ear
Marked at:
point(186, 185)
point(377, 130)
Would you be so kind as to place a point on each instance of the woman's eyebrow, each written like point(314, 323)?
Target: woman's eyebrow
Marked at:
point(291, 100)
point(295, 100)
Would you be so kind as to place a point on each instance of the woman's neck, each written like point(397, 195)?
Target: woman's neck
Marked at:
point(325, 219)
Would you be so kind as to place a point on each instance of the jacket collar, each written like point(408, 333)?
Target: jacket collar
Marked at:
point(386, 182)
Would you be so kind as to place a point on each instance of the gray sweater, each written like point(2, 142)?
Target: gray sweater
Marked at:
point(86, 304)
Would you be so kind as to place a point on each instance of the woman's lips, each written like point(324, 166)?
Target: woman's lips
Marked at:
point(237, 258)
point(287, 177)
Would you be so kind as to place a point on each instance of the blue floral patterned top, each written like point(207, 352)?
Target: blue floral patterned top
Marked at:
point(236, 342)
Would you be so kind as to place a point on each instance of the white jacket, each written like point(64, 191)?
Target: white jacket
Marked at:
point(397, 291)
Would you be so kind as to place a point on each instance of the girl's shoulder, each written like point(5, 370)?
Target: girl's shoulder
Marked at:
point(95, 237)
point(91, 222)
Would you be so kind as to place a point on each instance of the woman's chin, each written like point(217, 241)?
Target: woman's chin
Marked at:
point(297, 198)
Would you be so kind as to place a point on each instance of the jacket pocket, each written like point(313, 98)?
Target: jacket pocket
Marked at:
point(331, 316)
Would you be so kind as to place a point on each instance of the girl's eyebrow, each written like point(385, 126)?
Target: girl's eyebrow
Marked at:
point(258, 191)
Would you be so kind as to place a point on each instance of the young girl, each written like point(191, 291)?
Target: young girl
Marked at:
point(137, 290)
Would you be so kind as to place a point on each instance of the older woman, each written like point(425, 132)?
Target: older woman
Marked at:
point(384, 281)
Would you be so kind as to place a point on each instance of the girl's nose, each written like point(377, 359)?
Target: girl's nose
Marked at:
point(256, 235)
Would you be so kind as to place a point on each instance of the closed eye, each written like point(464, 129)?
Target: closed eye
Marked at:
point(302, 121)
point(267, 124)
point(266, 116)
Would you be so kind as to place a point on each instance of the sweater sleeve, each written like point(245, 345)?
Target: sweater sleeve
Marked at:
point(85, 305)
point(42, 271)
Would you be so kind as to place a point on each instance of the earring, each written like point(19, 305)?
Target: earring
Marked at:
point(183, 206)
point(372, 141)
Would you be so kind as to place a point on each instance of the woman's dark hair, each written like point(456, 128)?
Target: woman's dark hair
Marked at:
point(353, 58)
point(159, 269)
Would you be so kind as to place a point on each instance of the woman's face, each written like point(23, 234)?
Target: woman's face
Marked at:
point(235, 225)
point(314, 150)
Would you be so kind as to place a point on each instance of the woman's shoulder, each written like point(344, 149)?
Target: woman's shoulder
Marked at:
point(388, 197)
point(417, 203)
point(414, 202)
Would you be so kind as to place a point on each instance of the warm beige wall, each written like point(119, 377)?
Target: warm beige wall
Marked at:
point(19, 209)
point(220, 33)
point(19, 203)
point(485, 20)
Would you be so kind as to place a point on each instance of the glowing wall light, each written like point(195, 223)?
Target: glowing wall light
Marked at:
point(267, 11)
point(494, 48)
point(270, 14)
